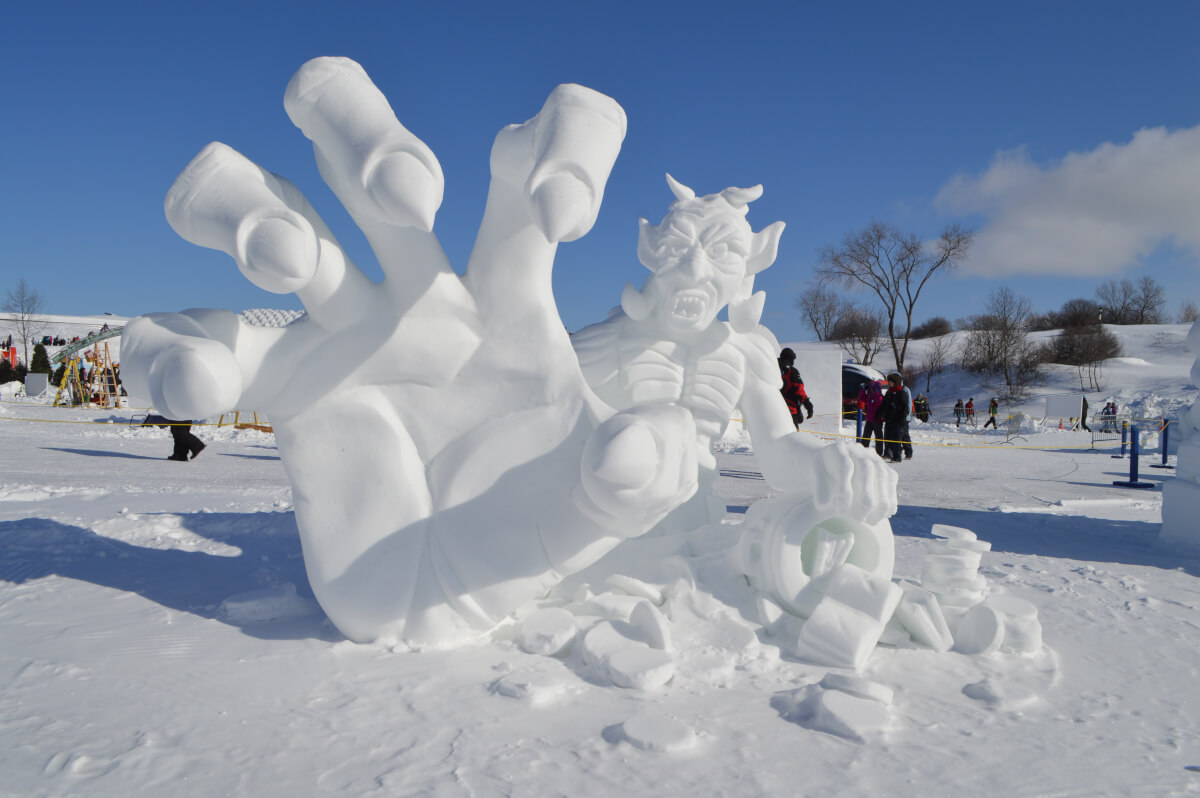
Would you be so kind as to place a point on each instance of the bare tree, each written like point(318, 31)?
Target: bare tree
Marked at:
point(24, 303)
point(1127, 303)
point(1148, 301)
point(822, 308)
point(999, 343)
point(895, 266)
point(937, 354)
point(859, 333)
point(1188, 313)
point(1116, 299)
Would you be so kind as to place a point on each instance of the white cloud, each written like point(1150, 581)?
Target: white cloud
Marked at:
point(1093, 213)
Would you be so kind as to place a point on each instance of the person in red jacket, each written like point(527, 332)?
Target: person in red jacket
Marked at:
point(870, 399)
point(793, 387)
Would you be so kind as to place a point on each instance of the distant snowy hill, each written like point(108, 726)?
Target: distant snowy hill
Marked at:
point(1151, 379)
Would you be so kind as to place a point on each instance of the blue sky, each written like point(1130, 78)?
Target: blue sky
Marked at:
point(1020, 119)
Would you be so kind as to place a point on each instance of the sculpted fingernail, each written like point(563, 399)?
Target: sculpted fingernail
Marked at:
point(406, 191)
point(562, 205)
point(279, 253)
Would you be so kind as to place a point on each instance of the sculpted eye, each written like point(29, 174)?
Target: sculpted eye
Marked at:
point(673, 249)
point(726, 255)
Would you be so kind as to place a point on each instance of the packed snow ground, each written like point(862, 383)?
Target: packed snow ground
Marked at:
point(160, 637)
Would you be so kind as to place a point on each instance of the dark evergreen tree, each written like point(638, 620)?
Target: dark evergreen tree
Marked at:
point(57, 377)
point(41, 361)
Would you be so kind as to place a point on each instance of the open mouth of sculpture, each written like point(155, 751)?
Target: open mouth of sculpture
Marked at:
point(690, 305)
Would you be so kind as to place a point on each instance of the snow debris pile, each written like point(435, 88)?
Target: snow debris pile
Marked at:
point(825, 598)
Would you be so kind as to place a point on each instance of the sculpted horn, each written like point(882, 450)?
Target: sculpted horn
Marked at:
point(741, 197)
point(680, 191)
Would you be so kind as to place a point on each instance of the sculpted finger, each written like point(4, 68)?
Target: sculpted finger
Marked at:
point(569, 149)
point(224, 201)
point(380, 171)
point(170, 358)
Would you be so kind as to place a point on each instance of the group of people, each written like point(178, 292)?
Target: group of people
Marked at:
point(1108, 418)
point(886, 415)
point(964, 412)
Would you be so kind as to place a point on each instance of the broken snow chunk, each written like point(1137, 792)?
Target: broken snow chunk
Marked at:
point(653, 732)
point(640, 668)
point(856, 685)
point(549, 632)
point(269, 604)
point(968, 545)
point(979, 631)
point(1022, 630)
point(635, 587)
point(838, 636)
point(604, 639)
point(951, 532)
point(534, 690)
point(997, 696)
point(921, 616)
point(769, 612)
point(651, 625)
point(845, 626)
point(834, 712)
point(970, 582)
point(871, 595)
point(611, 605)
point(948, 559)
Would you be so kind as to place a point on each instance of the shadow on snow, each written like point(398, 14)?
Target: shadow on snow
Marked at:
point(189, 581)
point(1051, 535)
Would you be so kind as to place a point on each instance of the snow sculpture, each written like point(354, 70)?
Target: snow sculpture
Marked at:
point(826, 541)
point(1181, 496)
point(448, 461)
point(666, 346)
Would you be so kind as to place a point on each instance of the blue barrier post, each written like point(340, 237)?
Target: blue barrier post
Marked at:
point(1133, 464)
point(859, 425)
point(1165, 426)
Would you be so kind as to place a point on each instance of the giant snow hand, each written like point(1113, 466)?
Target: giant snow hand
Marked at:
point(447, 460)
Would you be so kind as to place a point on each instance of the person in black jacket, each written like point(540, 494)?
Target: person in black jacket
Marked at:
point(185, 441)
point(894, 412)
